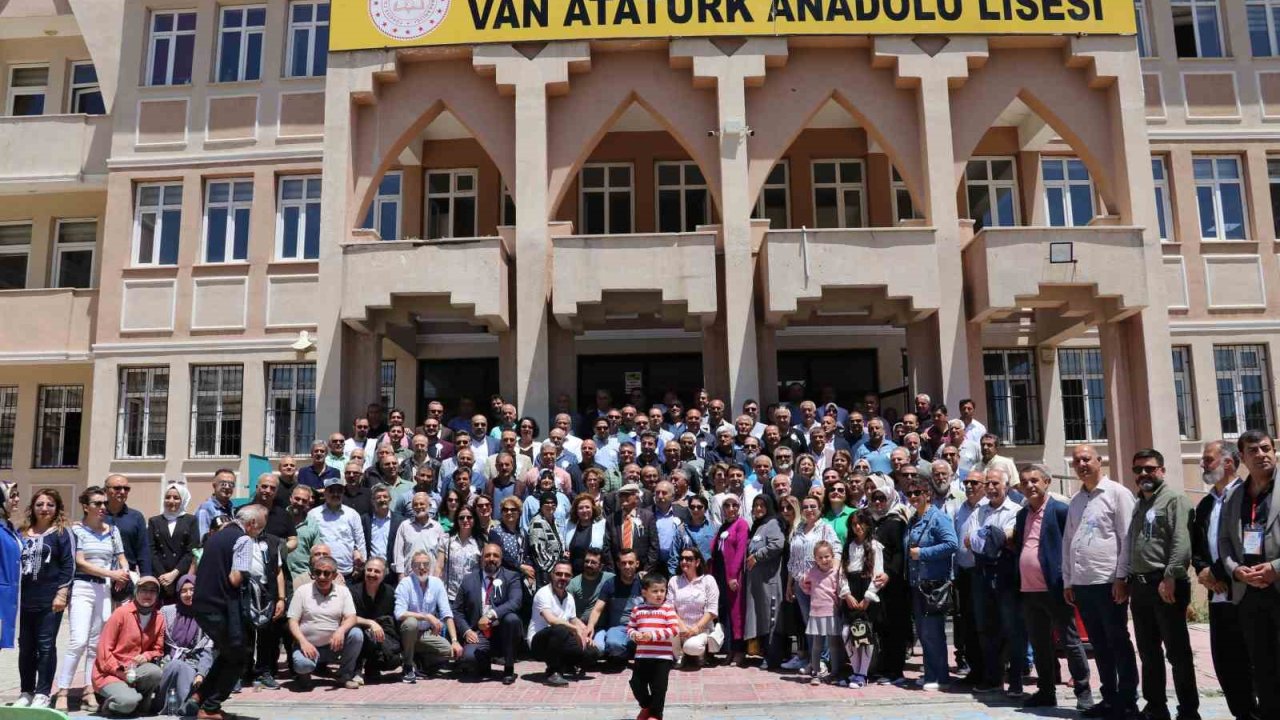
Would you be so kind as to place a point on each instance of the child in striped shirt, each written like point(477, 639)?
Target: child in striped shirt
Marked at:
point(653, 625)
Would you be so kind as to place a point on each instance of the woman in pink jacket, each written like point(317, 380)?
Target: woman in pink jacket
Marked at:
point(728, 556)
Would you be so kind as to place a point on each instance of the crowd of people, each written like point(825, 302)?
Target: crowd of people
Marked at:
point(811, 539)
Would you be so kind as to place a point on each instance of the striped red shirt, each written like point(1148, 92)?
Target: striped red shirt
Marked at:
point(660, 622)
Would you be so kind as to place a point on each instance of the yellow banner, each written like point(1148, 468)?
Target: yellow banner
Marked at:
point(359, 24)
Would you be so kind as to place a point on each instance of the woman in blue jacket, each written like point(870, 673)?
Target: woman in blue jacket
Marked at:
point(48, 563)
point(931, 544)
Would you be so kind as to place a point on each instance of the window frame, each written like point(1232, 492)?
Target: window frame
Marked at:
point(139, 210)
point(387, 383)
point(1146, 48)
point(373, 219)
point(8, 424)
point(76, 91)
point(452, 194)
point(1184, 392)
point(992, 185)
point(759, 211)
point(23, 250)
point(1164, 199)
point(224, 393)
point(681, 188)
point(61, 429)
point(154, 35)
point(230, 206)
point(302, 438)
point(150, 397)
point(898, 189)
point(60, 248)
point(312, 27)
point(1195, 6)
point(1084, 377)
point(1238, 392)
point(13, 92)
point(607, 190)
point(840, 186)
point(245, 31)
point(1216, 183)
point(300, 254)
point(1065, 185)
point(1008, 433)
point(508, 205)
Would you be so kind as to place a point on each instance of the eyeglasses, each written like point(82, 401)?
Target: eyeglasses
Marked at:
point(836, 491)
point(510, 510)
point(351, 473)
point(687, 558)
point(323, 574)
point(465, 518)
point(914, 493)
point(97, 503)
point(971, 483)
point(878, 498)
point(120, 488)
point(697, 507)
point(563, 575)
point(1146, 469)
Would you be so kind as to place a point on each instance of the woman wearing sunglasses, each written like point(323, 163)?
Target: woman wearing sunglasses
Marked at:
point(890, 517)
point(931, 545)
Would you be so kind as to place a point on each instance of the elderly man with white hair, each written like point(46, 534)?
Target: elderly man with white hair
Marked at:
point(996, 602)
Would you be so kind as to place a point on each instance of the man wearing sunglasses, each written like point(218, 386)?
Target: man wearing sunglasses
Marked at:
point(131, 524)
point(322, 621)
point(556, 635)
point(219, 503)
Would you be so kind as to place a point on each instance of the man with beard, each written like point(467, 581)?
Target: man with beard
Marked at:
point(877, 448)
point(423, 615)
point(556, 636)
point(487, 614)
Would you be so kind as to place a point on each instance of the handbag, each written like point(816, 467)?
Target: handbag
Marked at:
point(937, 596)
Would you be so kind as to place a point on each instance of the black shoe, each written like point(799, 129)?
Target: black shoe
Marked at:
point(556, 680)
point(189, 708)
point(267, 681)
point(1101, 710)
point(508, 676)
point(409, 677)
point(1041, 699)
point(1155, 713)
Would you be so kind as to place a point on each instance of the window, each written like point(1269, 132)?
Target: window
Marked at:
point(59, 413)
point(143, 412)
point(1264, 27)
point(73, 265)
point(15, 249)
point(1013, 409)
point(86, 95)
point(1164, 212)
point(291, 408)
point(308, 39)
point(1144, 29)
point(1084, 411)
point(28, 85)
point(904, 208)
point(838, 194)
point(385, 210)
point(157, 224)
point(216, 392)
point(1184, 393)
point(1273, 173)
point(8, 424)
point(605, 199)
point(683, 200)
point(226, 220)
point(774, 202)
point(1219, 198)
point(240, 43)
point(1196, 30)
point(1244, 388)
point(1068, 191)
point(388, 383)
point(298, 221)
point(991, 192)
point(451, 204)
point(508, 207)
point(173, 44)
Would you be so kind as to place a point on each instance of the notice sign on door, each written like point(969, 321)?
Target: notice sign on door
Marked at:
point(632, 380)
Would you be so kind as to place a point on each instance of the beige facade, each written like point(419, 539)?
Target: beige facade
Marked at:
point(734, 214)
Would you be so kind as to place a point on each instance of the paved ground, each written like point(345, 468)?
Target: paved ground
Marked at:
point(717, 693)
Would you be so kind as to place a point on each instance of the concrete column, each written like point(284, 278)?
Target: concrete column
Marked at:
point(731, 73)
point(922, 358)
point(933, 76)
point(1050, 388)
point(530, 79)
point(361, 372)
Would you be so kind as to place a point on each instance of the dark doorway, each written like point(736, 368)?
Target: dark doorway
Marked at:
point(850, 372)
point(450, 380)
point(656, 374)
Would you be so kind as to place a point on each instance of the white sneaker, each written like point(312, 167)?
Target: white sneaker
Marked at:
point(931, 686)
point(24, 700)
point(40, 701)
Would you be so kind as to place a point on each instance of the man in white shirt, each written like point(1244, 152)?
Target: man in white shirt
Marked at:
point(991, 460)
point(422, 614)
point(360, 439)
point(556, 636)
point(973, 429)
point(341, 529)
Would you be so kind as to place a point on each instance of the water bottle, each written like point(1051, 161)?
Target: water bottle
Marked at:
point(171, 702)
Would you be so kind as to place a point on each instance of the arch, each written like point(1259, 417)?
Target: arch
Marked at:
point(405, 107)
point(1060, 95)
point(774, 110)
point(598, 98)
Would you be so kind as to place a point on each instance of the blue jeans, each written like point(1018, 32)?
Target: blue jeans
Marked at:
point(1108, 626)
point(37, 656)
point(613, 642)
point(346, 658)
point(932, 631)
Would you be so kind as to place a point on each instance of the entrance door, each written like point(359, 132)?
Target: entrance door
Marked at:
point(850, 372)
point(655, 373)
point(450, 380)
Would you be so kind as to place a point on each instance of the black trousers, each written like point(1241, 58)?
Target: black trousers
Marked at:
point(505, 639)
point(1231, 662)
point(1160, 629)
point(1046, 612)
point(895, 631)
point(557, 646)
point(649, 685)
point(265, 642)
point(227, 632)
point(1260, 614)
point(965, 630)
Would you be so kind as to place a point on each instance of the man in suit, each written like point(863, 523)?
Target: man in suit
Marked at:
point(1037, 543)
point(634, 528)
point(1249, 549)
point(438, 448)
point(1219, 463)
point(487, 614)
point(380, 528)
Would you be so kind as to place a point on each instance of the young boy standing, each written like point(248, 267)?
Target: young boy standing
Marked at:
point(653, 624)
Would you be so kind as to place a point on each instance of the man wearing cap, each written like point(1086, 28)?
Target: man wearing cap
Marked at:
point(634, 529)
point(339, 527)
point(125, 674)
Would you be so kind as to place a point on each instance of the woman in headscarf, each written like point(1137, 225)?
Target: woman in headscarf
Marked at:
point(188, 651)
point(544, 545)
point(728, 553)
point(890, 517)
point(764, 578)
point(174, 533)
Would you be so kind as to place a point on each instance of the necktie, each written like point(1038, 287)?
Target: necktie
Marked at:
point(488, 591)
point(626, 533)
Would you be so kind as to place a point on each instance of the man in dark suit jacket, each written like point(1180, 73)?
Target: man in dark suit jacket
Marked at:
point(1037, 544)
point(643, 539)
point(382, 512)
point(487, 613)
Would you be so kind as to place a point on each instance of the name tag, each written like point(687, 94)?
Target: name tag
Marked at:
point(1252, 539)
